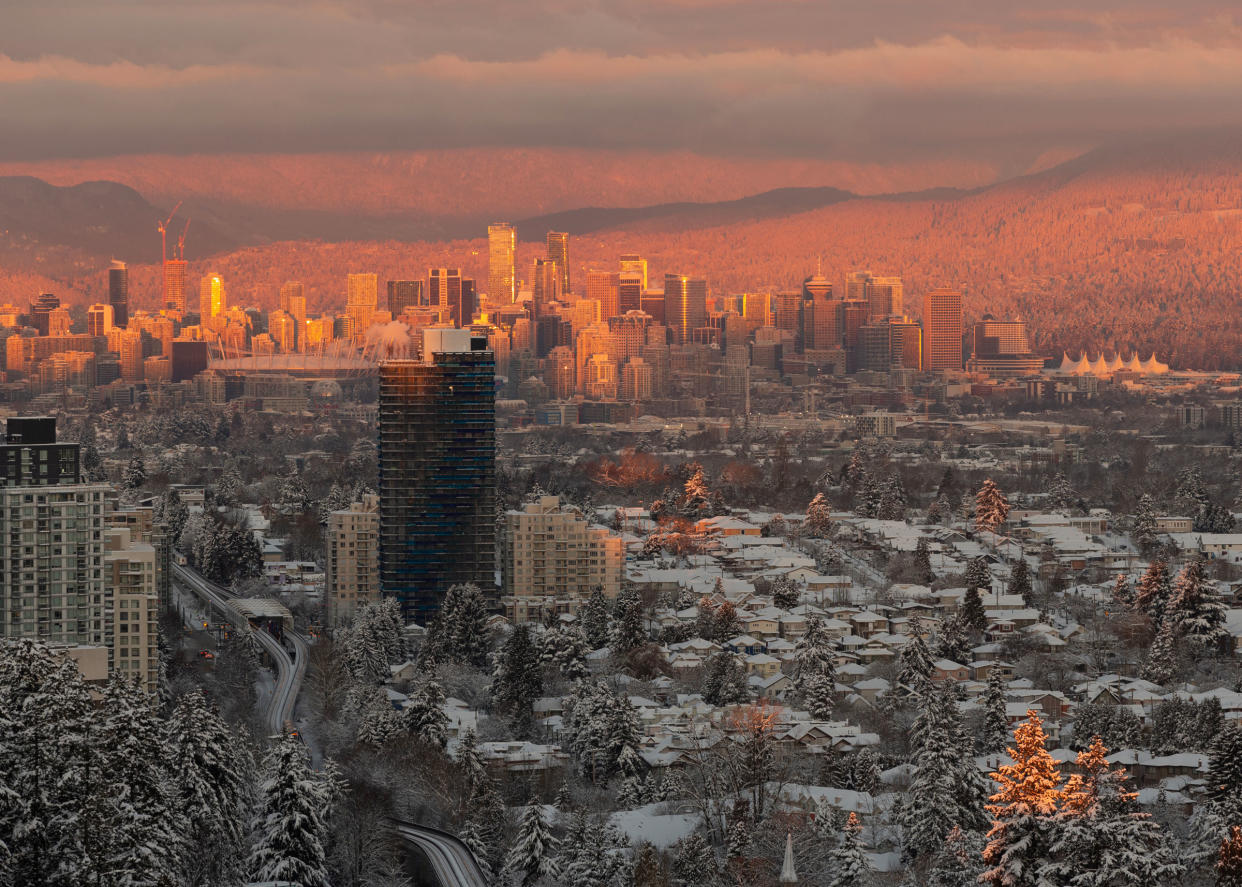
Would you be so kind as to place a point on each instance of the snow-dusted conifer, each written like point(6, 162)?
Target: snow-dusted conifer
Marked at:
point(532, 858)
point(851, 866)
point(991, 507)
point(1022, 809)
point(289, 827)
point(1197, 611)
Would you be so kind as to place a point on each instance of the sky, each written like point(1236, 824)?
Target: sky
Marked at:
point(888, 80)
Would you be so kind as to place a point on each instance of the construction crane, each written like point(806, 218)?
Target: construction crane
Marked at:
point(163, 229)
point(181, 239)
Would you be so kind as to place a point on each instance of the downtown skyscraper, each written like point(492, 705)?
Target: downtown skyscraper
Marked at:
point(437, 470)
point(501, 256)
point(942, 330)
point(118, 293)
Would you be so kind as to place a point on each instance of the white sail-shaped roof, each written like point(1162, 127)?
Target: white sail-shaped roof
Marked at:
point(1133, 364)
point(1115, 363)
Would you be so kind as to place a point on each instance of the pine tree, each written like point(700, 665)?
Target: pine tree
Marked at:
point(922, 563)
point(1099, 836)
point(424, 715)
point(916, 662)
point(135, 474)
point(532, 858)
point(459, 632)
point(1020, 580)
point(1229, 859)
point(818, 521)
point(931, 810)
point(210, 789)
point(1191, 495)
point(995, 731)
point(693, 860)
point(1060, 493)
point(973, 615)
point(958, 863)
point(724, 681)
point(628, 631)
point(1123, 594)
point(146, 827)
point(595, 622)
point(517, 679)
point(1021, 809)
point(1154, 591)
point(851, 866)
point(1145, 533)
point(696, 497)
point(289, 827)
point(991, 507)
point(952, 643)
point(1224, 779)
point(564, 650)
point(785, 592)
point(813, 673)
point(1196, 610)
point(1161, 664)
point(978, 575)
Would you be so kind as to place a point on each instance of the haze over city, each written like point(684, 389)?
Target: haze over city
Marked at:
point(620, 443)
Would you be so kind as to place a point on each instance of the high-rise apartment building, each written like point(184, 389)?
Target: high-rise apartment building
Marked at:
point(437, 470)
point(630, 289)
point(351, 573)
point(174, 285)
point(361, 302)
point(131, 580)
point(501, 259)
point(635, 264)
point(558, 251)
point(444, 289)
point(118, 292)
point(685, 306)
point(605, 287)
point(884, 296)
point(99, 319)
point(942, 330)
point(555, 559)
point(52, 584)
point(545, 284)
point(212, 301)
point(636, 381)
point(41, 309)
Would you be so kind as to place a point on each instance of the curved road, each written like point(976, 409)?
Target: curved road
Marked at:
point(290, 670)
point(451, 860)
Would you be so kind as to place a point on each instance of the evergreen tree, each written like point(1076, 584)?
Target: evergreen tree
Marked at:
point(958, 863)
point(210, 790)
point(1229, 859)
point(916, 662)
point(1123, 594)
point(532, 858)
point(135, 474)
point(851, 866)
point(973, 615)
point(1061, 494)
point(1154, 591)
point(1145, 533)
point(517, 679)
point(564, 650)
point(628, 630)
point(991, 507)
point(724, 681)
point(595, 623)
point(1161, 664)
point(952, 642)
point(978, 575)
point(424, 715)
point(931, 811)
point(813, 674)
point(146, 827)
point(1099, 836)
point(289, 828)
point(459, 633)
point(725, 622)
point(693, 860)
point(1020, 580)
point(1022, 809)
point(1196, 610)
point(922, 563)
point(1191, 494)
point(995, 731)
point(785, 592)
point(818, 521)
point(1224, 778)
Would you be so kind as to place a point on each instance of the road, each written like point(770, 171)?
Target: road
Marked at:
point(451, 861)
point(290, 670)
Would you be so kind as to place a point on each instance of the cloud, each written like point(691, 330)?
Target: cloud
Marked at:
point(786, 77)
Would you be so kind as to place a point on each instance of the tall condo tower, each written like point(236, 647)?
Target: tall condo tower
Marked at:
point(501, 255)
point(942, 330)
point(437, 470)
point(118, 292)
point(558, 251)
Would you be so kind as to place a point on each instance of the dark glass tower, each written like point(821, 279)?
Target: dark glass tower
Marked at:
point(118, 293)
point(437, 471)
